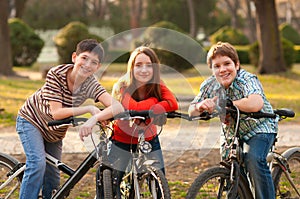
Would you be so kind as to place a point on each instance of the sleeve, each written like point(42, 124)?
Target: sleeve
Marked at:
point(168, 102)
point(203, 93)
point(94, 89)
point(129, 103)
point(252, 86)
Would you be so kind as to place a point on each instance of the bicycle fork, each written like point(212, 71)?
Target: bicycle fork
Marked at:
point(285, 168)
point(13, 174)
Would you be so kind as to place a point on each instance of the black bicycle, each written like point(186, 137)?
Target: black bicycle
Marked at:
point(142, 178)
point(11, 170)
point(229, 180)
point(143, 181)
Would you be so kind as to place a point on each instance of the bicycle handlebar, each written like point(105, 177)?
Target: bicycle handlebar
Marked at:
point(132, 114)
point(67, 121)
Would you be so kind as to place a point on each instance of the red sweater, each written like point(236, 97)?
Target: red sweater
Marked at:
point(123, 132)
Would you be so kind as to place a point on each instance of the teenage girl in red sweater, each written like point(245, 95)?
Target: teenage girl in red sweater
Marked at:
point(140, 89)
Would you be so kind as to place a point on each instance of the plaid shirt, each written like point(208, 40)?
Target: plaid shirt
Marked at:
point(244, 85)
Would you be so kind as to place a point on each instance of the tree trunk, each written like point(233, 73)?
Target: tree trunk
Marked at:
point(193, 31)
point(5, 49)
point(270, 50)
point(251, 22)
point(20, 7)
point(135, 15)
point(233, 7)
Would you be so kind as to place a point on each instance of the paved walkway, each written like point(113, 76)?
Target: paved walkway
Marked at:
point(186, 136)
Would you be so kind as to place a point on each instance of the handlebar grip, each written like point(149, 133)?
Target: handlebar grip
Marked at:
point(258, 115)
point(133, 113)
point(284, 112)
point(144, 113)
point(69, 120)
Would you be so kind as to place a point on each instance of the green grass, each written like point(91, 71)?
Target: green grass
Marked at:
point(283, 90)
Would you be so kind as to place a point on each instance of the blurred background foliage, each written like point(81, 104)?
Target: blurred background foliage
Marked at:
point(51, 29)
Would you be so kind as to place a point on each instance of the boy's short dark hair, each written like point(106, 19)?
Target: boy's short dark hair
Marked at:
point(90, 45)
point(222, 49)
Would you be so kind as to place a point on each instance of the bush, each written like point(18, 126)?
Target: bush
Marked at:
point(289, 54)
point(229, 34)
point(288, 32)
point(26, 45)
point(243, 53)
point(68, 37)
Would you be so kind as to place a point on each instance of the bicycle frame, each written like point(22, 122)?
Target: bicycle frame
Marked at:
point(74, 175)
point(138, 162)
point(272, 158)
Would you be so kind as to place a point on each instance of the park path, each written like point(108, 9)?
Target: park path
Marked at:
point(179, 137)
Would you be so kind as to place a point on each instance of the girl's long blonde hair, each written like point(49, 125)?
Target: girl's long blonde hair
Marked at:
point(128, 82)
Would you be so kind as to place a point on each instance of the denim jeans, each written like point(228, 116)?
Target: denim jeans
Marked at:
point(256, 150)
point(38, 175)
point(120, 156)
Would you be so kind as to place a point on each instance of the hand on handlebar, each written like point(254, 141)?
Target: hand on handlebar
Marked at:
point(160, 120)
point(208, 105)
point(86, 129)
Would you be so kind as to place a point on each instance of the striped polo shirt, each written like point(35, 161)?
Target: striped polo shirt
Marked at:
point(36, 109)
point(244, 85)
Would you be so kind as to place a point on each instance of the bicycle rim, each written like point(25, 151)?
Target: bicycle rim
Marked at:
point(215, 183)
point(11, 190)
point(283, 187)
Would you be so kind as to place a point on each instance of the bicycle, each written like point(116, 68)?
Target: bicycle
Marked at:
point(229, 180)
point(142, 179)
point(11, 170)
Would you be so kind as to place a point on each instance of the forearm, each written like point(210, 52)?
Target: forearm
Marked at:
point(62, 113)
point(252, 103)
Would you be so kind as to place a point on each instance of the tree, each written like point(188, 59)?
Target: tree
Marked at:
point(270, 50)
point(192, 17)
point(20, 7)
point(251, 22)
point(5, 50)
point(233, 7)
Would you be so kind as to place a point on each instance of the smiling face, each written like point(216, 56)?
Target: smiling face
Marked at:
point(142, 69)
point(224, 69)
point(85, 63)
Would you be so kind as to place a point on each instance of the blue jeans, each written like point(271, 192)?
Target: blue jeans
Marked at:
point(256, 150)
point(120, 156)
point(38, 175)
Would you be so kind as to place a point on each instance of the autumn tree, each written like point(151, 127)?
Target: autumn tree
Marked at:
point(270, 49)
point(5, 50)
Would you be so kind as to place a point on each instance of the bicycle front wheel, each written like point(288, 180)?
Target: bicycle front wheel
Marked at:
point(153, 184)
point(215, 183)
point(283, 187)
point(104, 184)
point(9, 187)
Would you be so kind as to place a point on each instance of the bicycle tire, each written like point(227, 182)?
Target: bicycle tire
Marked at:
point(7, 164)
point(208, 185)
point(104, 183)
point(282, 186)
point(152, 184)
point(107, 184)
